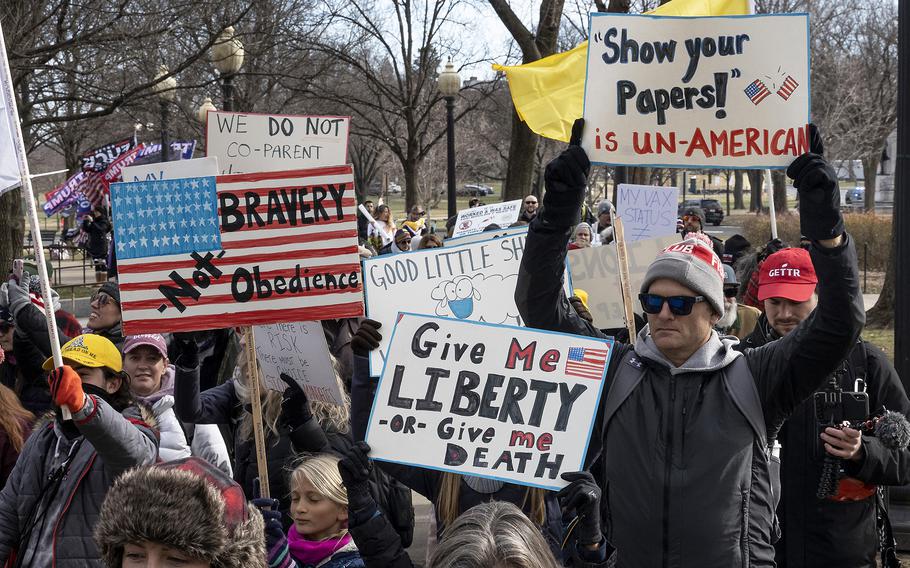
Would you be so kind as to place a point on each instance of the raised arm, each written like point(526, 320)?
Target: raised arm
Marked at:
point(539, 292)
point(214, 406)
point(122, 442)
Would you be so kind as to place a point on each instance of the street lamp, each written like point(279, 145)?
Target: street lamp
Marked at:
point(165, 88)
point(227, 57)
point(202, 112)
point(449, 84)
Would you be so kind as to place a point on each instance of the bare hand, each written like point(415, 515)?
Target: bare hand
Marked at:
point(845, 444)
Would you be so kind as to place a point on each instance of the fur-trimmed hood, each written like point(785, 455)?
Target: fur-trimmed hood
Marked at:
point(182, 510)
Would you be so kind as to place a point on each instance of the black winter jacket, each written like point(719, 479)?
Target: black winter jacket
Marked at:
point(823, 532)
point(682, 463)
point(97, 231)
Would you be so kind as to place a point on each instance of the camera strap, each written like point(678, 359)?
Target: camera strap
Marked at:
point(887, 546)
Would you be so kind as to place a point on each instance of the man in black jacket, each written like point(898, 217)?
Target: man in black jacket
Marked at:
point(841, 530)
point(680, 444)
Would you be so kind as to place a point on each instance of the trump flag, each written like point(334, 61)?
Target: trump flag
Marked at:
point(244, 249)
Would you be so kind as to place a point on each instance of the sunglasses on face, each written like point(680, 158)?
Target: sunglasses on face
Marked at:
point(102, 299)
point(530, 203)
point(731, 292)
point(5, 327)
point(679, 305)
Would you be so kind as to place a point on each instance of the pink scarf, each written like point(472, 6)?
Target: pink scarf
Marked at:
point(313, 552)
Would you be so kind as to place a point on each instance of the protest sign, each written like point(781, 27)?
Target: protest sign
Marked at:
point(595, 270)
point(207, 253)
point(494, 401)
point(476, 219)
point(99, 159)
point(727, 91)
point(200, 167)
point(249, 142)
point(299, 350)
point(647, 211)
point(487, 236)
point(475, 281)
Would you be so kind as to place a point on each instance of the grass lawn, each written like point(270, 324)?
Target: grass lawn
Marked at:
point(881, 337)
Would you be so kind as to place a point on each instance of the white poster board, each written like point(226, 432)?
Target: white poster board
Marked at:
point(249, 142)
point(198, 167)
point(475, 281)
point(725, 91)
point(595, 270)
point(476, 219)
point(647, 211)
point(501, 402)
point(486, 236)
point(298, 350)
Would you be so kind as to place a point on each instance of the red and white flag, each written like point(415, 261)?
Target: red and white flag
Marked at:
point(787, 88)
point(243, 249)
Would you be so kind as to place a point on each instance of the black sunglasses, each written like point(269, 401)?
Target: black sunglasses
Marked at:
point(679, 305)
point(731, 291)
point(5, 327)
point(102, 299)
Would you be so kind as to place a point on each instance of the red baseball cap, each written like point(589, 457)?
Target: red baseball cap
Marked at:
point(789, 274)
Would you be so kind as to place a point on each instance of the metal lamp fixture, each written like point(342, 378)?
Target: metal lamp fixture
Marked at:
point(227, 53)
point(449, 81)
point(449, 84)
point(203, 110)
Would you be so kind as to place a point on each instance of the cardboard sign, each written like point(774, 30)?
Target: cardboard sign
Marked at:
point(297, 349)
point(726, 91)
point(647, 211)
point(474, 281)
point(476, 219)
point(487, 236)
point(494, 401)
point(247, 142)
point(250, 249)
point(595, 270)
point(200, 167)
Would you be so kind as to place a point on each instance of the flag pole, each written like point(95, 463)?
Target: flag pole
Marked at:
point(12, 113)
point(771, 207)
point(625, 281)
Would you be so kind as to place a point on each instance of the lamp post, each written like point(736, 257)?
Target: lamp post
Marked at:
point(227, 57)
point(449, 84)
point(202, 113)
point(165, 88)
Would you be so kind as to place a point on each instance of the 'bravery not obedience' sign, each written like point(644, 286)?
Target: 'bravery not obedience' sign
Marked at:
point(730, 91)
point(244, 249)
point(247, 142)
point(474, 281)
point(495, 401)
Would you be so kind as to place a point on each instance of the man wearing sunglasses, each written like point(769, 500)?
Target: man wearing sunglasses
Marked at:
point(738, 320)
point(840, 531)
point(679, 447)
point(416, 224)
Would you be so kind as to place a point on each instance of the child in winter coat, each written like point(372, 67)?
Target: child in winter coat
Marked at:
point(318, 537)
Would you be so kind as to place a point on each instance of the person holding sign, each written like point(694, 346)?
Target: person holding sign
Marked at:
point(51, 502)
point(682, 431)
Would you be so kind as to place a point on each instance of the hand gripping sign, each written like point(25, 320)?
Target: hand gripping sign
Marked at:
point(495, 401)
point(726, 91)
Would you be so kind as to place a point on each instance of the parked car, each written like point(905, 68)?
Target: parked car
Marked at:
point(714, 213)
point(855, 195)
point(474, 190)
point(394, 188)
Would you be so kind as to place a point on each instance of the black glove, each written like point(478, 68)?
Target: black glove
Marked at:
point(295, 408)
point(274, 532)
point(819, 195)
point(771, 247)
point(583, 496)
point(566, 179)
point(186, 344)
point(355, 468)
point(366, 338)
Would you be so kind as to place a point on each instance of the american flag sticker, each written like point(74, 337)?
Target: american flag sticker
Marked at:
point(757, 91)
point(586, 362)
point(243, 249)
point(787, 88)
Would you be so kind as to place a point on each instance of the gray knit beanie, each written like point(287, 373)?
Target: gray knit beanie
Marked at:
point(693, 264)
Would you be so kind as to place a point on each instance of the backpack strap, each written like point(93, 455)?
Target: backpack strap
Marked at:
point(628, 375)
point(741, 386)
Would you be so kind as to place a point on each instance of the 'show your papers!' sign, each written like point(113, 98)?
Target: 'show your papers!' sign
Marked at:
point(727, 91)
point(495, 401)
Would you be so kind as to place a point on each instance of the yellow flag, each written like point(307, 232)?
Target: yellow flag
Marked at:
point(549, 93)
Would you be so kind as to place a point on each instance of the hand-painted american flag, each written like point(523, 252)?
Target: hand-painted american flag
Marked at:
point(243, 249)
point(757, 91)
point(787, 88)
point(586, 363)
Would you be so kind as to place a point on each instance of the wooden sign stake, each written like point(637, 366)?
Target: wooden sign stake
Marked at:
point(252, 368)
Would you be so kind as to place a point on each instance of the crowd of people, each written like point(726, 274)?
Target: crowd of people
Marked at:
point(707, 448)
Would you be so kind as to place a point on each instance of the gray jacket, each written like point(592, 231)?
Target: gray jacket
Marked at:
point(680, 455)
point(105, 444)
